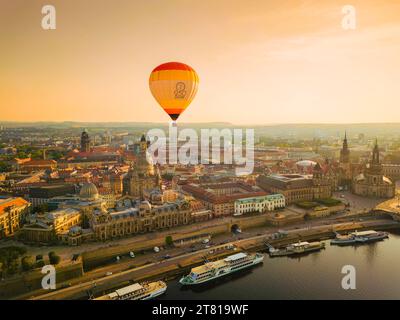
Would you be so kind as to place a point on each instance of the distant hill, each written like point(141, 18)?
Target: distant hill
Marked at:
point(300, 130)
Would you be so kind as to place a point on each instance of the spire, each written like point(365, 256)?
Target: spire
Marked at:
point(375, 153)
point(345, 152)
point(345, 140)
point(317, 167)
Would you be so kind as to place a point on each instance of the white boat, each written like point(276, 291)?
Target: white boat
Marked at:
point(137, 291)
point(213, 270)
point(370, 236)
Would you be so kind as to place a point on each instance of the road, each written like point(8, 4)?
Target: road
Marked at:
point(97, 280)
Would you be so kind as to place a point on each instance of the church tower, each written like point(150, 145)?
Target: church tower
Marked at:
point(375, 164)
point(317, 174)
point(345, 152)
point(85, 141)
point(141, 177)
point(143, 144)
point(344, 165)
point(375, 154)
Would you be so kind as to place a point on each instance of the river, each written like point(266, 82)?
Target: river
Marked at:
point(313, 276)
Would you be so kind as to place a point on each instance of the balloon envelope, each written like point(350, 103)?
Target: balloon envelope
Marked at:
point(174, 86)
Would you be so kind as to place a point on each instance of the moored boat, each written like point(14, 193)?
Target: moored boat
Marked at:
point(370, 236)
point(217, 269)
point(297, 248)
point(137, 291)
point(342, 240)
point(359, 237)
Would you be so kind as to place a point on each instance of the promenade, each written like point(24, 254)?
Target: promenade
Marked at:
point(173, 267)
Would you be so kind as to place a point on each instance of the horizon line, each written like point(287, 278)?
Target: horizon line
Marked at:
point(199, 122)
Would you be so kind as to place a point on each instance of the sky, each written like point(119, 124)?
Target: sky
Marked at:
point(259, 61)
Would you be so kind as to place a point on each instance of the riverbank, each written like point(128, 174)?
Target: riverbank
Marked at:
point(177, 266)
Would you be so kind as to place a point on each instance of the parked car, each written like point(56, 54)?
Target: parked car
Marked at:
point(109, 273)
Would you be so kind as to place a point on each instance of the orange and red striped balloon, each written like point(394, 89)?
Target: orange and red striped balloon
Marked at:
point(173, 85)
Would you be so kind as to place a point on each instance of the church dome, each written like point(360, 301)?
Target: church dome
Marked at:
point(89, 192)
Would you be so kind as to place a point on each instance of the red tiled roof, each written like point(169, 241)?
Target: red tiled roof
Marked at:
point(40, 162)
point(200, 193)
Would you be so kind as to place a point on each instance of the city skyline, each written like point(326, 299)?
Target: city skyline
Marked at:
point(263, 63)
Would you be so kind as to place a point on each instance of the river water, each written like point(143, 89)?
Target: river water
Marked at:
point(313, 276)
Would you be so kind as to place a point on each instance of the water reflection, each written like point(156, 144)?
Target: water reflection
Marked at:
point(316, 275)
point(219, 281)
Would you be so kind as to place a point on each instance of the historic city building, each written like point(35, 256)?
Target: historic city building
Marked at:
point(372, 182)
point(142, 175)
point(89, 218)
point(260, 204)
point(12, 215)
point(220, 197)
point(48, 227)
point(345, 175)
point(297, 187)
point(144, 218)
point(85, 141)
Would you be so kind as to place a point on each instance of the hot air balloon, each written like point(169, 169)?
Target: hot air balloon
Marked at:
point(173, 85)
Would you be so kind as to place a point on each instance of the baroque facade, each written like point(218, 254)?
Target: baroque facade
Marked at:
point(12, 214)
point(89, 218)
point(144, 218)
point(372, 182)
point(296, 187)
point(142, 175)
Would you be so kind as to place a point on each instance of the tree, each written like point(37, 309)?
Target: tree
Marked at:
point(169, 241)
point(9, 258)
point(37, 154)
point(4, 166)
point(167, 176)
point(40, 264)
point(56, 155)
point(27, 263)
point(54, 258)
point(44, 207)
point(13, 267)
point(39, 257)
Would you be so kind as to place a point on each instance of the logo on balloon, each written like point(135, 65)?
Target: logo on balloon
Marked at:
point(180, 91)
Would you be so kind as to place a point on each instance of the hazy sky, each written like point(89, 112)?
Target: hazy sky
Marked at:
point(266, 61)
